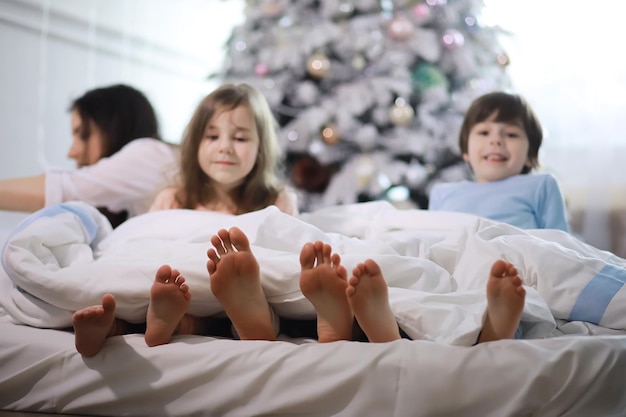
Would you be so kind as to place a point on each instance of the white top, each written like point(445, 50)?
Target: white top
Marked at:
point(128, 180)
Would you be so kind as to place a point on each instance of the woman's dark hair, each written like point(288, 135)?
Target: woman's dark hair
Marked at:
point(122, 113)
point(509, 108)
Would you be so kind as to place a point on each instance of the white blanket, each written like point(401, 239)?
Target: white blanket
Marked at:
point(66, 257)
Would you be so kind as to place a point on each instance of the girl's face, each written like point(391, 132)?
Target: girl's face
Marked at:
point(86, 151)
point(230, 146)
point(496, 150)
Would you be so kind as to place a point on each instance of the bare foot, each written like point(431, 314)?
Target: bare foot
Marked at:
point(92, 325)
point(369, 299)
point(505, 303)
point(169, 301)
point(323, 281)
point(236, 283)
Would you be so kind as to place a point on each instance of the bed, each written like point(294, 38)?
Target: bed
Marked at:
point(571, 360)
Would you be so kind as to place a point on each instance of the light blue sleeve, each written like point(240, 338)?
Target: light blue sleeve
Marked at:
point(436, 195)
point(552, 213)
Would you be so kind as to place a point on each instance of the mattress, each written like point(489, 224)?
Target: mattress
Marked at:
point(204, 376)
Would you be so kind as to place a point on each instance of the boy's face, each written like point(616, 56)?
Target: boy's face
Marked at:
point(497, 150)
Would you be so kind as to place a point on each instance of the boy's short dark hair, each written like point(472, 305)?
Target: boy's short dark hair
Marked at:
point(509, 108)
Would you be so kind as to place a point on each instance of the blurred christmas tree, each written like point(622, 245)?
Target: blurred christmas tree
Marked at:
point(369, 95)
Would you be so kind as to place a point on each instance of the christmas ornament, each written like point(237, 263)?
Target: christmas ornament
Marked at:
point(421, 11)
point(503, 60)
point(261, 69)
point(470, 21)
point(241, 46)
point(346, 8)
point(400, 28)
point(358, 62)
point(330, 135)
point(453, 39)
point(426, 76)
point(310, 175)
point(292, 136)
point(318, 65)
point(401, 113)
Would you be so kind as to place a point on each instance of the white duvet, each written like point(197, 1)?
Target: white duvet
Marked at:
point(66, 257)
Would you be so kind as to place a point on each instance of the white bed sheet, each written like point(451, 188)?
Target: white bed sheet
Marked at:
point(203, 376)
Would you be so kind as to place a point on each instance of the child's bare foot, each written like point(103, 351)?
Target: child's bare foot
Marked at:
point(92, 325)
point(505, 303)
point(169, 300)
point(236, 283)
point(369, 299)
point(323, 281)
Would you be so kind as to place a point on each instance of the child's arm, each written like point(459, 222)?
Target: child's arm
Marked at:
point(165, 200)
point(22, 194)
point(553, 214)
point(287, 202)
point(126, 180)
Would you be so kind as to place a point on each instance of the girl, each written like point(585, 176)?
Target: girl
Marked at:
point(229, 163)
point(500, 139)
point(229, 157)
point(121, 161)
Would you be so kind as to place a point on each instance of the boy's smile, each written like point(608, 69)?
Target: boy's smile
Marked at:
point(497, 150)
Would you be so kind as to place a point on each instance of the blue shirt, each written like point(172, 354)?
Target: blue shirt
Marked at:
point(530, 201)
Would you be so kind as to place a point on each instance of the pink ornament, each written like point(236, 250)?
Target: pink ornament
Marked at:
point(400, 28)
point(261, 69)
point(421, 11)
point(453, 39)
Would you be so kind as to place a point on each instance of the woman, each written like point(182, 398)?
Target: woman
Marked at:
point(121, 161)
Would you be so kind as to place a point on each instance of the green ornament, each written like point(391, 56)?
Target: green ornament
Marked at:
point(426, 76)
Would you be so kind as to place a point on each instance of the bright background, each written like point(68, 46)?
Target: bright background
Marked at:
point(566, 59)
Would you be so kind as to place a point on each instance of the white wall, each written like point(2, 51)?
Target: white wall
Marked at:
point(52, 51)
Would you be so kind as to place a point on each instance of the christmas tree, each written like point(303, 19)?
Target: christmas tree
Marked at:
point(369, 95)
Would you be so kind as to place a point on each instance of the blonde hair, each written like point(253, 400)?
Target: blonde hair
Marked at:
point(262, 185)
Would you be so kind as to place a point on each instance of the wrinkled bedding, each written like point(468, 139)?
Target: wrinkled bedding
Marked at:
point(66, 257)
